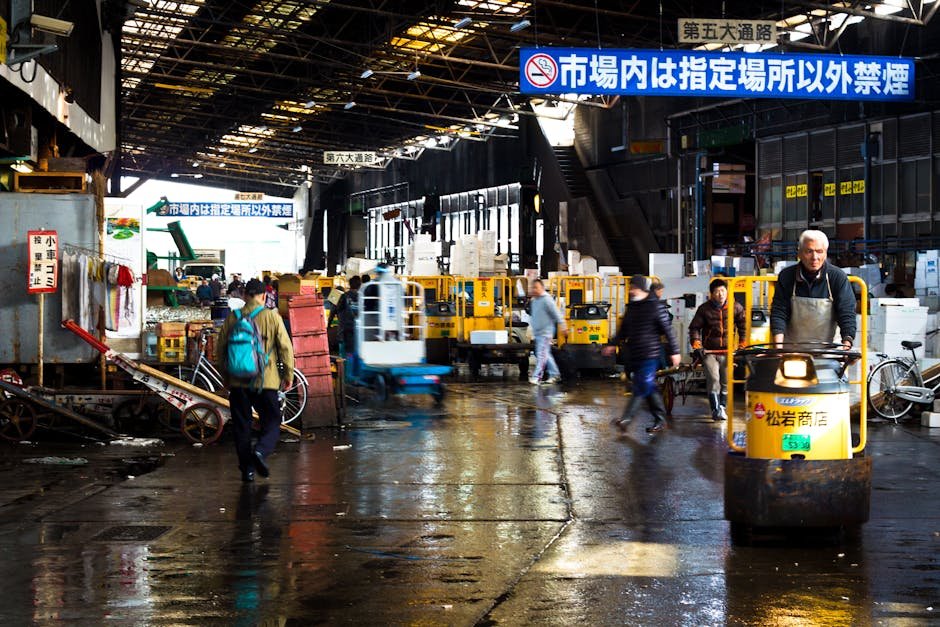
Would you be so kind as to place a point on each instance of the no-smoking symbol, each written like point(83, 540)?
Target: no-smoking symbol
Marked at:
point(541, 70)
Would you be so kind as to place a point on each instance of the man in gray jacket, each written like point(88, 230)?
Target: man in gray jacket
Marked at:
point(544, 318)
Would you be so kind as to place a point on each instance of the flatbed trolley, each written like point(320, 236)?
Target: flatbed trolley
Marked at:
point(204, 414)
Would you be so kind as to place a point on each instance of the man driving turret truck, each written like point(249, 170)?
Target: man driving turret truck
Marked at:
point(812, 297)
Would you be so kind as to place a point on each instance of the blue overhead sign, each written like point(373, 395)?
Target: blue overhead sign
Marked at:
point(228, 210)
point(695, 73)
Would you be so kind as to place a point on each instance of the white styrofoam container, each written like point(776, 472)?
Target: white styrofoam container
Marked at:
point(667, 265)
point(890, 344)
point(930, 419)
point(702, 268)
point(489, 337)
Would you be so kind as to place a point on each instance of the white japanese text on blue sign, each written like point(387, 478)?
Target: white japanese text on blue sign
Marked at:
point(228, 209)
point(709, 73)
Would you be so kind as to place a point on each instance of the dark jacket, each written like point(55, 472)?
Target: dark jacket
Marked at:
point(204, 292)
point(645, 322)
point(843, 298)
point(710, 325)
point(216, 286)
point(347, 310)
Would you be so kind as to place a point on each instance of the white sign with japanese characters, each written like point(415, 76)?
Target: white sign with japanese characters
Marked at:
point(718, 31)
point(43, 251)
point(350, 157)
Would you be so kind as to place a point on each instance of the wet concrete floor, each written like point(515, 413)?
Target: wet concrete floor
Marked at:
point(510, 505)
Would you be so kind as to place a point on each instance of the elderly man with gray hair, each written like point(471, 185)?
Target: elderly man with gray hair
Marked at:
point(812, 297)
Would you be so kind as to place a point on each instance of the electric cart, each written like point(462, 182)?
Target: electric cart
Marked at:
point(390, 354)
point(797, 463)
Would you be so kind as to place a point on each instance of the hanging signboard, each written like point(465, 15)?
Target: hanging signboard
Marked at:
point(227, 210)
point(249, 196)
point(719, 31)
point(350, 157)
point(43, 251)
point(710, 73)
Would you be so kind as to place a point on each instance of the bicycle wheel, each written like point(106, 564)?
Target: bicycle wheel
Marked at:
point(882, 382)
point(189, 375)
point(294, 398)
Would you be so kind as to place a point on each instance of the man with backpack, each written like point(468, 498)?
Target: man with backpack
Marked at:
point(251, 343)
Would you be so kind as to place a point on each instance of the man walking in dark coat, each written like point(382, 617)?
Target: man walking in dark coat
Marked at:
point(644, 323)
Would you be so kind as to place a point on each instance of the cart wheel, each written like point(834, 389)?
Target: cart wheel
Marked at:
point(669, 395)
point(202, 422)
point(381, 388)
point(167, 415)
point(17, 419)
point(524, 368)
point(133, 417)
point(439, 395)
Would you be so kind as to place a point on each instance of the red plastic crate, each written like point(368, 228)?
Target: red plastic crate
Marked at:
point(306, 319)
point(313, 365)
point(319, 385)
point(311, 344)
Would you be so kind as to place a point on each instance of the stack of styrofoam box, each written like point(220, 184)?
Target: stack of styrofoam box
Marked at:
point(743, 266)
point(927, 274)
point(931, 419)
point(422, 256)
point(574, 263)
point(780, 265)
point(702, 268)
point(667, 265)
point(588, 266)
point(721, 265)
point(487, 251)
point(356, 266)
point(894, 322)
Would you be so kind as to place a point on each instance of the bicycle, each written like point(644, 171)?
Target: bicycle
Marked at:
point(205, 375)
point(895, 385)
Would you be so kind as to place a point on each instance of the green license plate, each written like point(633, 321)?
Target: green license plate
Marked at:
point(795, 442)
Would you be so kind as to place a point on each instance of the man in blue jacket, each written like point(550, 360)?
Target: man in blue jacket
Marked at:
point(645, 322)
point(812, 297)
point(544, 319)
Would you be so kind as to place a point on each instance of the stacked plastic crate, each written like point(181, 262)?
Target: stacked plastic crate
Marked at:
point(171, 342)
point(312, 357)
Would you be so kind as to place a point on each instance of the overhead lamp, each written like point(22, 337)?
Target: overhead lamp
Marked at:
point(464, 23)
point(62, 28)
point(263, 128)
point(310, 104)
point(520, 25)
point(297, 129)
point(222, 165)
point(366, 74)
point(175, 175)
point(431, 143)
point(444, 140)
point(349, 105)
point(195, 164)
point(414, 75)
point(253, 149)
point(197, 175)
